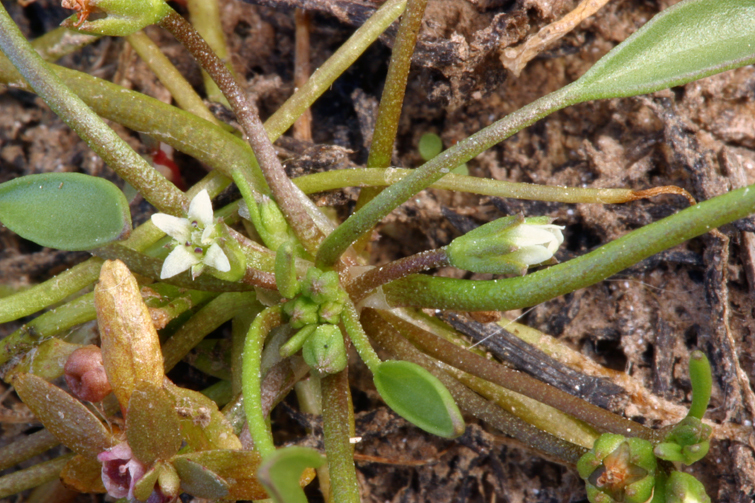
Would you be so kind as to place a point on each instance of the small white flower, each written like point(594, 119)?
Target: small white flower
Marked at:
point(534, 244)
point(195, 240)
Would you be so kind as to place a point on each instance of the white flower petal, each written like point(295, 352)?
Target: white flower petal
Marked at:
point(179, 260)
point(528, 235)
point(531, 255)
point(177, 228)
point(200, 209)
point(215, 257)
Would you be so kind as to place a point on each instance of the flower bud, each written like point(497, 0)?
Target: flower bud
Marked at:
point(619, 469)
point(302, 312)
point(121, 17)
point(687, 442)
point(85, 374)
point(506, 246)
point(324, 350)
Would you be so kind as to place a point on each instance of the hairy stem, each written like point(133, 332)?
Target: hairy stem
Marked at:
point(537, 287)
point(338, 428)
point(285, 193)
point(252, 380)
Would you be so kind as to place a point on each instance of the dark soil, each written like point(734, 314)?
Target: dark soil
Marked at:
point(644, 321)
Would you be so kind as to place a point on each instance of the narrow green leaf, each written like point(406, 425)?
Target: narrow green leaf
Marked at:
point(152, 426)
point(419, 397)
point(65, 417)
point(68, 211)
point(281, 473)
point(689, 41)
point(702, 384)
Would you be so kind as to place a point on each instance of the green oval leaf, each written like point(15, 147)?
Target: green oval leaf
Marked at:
point(236, 469)
point(419, 397)
point(689, 41)
point(68, 211)
point(281, 473)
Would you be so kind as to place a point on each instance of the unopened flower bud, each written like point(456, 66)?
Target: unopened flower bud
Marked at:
point(302, 312)
point(506, 246)
point(324, 350)
point(85, 374)
point(687, 442)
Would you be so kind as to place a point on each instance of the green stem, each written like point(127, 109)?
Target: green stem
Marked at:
point(702, 384)
point(285, 193)
point(534, 288)
point(252, 380)
point(430, 172)
point(87, 124)
point(32, 477)
point(185, 95)
point(342, 59)
point(377, 177)
point(391, 102)
point(338, 426)
point(353, 327)
point(210, 317)
point(26, 448)
point(205, 16)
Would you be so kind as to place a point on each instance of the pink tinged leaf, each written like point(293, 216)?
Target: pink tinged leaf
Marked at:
point(130, 345)
point(63, 415)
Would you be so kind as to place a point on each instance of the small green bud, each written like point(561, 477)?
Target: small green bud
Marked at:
point(330, 312)
point(274, 228)
point(506, 246)
point(285, 271)
point(302, 312)
point(684, 488)
point(619, 469)
point(122, 17)
point(687, 442)
point(324, 350)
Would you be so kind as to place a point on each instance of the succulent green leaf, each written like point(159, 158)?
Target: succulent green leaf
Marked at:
point(285, 271)
point(152, 426)
point(145, 485)
point(68, 211)
point(689, 41)
point(419, 397)
point(702, 383)
point(65, 417)
point(236, 469)
point(281, 473)
point(199, 481)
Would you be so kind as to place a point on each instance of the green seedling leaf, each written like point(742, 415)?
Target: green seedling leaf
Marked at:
point(285, 271)
point(152, 427)
point(281, 473)
point(419, 397)
point(46, 360)
point(689, 41)
point(702, 383)
point(236, 469)
point(83, 474)
point(68, 211)
point(64, 416)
